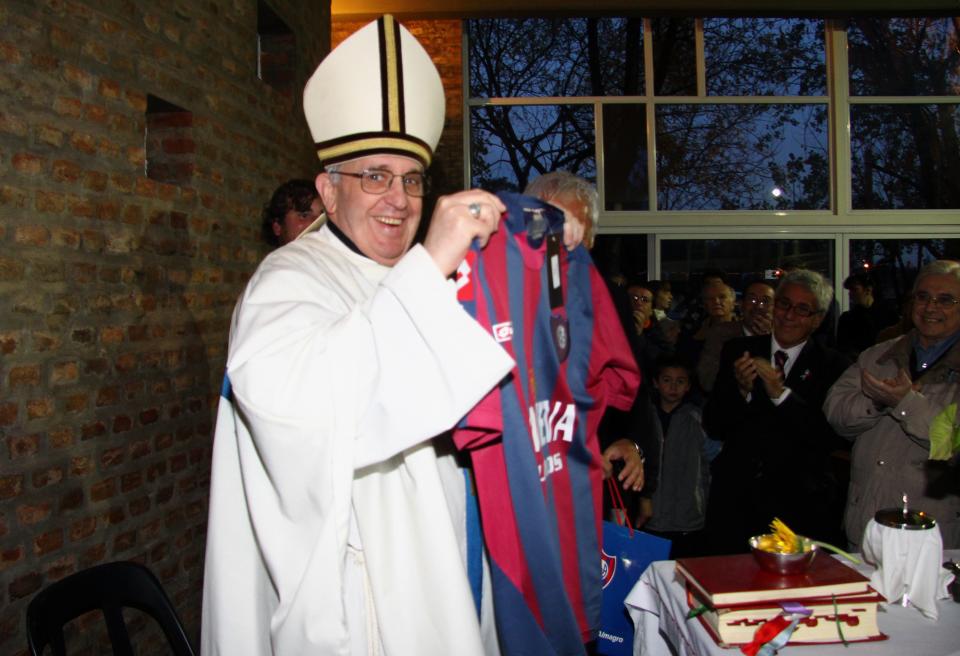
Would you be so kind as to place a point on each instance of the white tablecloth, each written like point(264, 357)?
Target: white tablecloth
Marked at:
point(658, 607)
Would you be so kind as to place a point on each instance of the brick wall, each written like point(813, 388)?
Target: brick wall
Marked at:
point(116, 289)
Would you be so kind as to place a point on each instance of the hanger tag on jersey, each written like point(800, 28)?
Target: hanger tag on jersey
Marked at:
point(554, 281)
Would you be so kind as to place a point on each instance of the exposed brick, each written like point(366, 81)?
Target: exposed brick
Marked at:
point(126, 363)
point(112, 457)
point(48, 542)
point(109, 89)
point(163, 441)
point(149, 416)
point(45, 477)
point(76, 402)
point(66, 171)
point(115, 516)
point(29, 514)
point(15, 125)
point(25, 585)
point(93, 555)
point(32, 235)
point(39, 408)
point(103, 490)
point(49, 135)
point(10, 556)
point(84, 143)
point(122, 423)
point(78, 76)
point(59, 438)
point(28, 163)
point(68, 107)
point(131, 481)
point(139, 449)
point(8, 413)
point(59, 568)
point(124, 542)
point(108, 396)
point(81, 465)
point(22, 446)
point(49, 202)
point(11, 486)
point(11, 270)
point(82, 528)
point(24, 376)
point(93, 429)
point(65, 372)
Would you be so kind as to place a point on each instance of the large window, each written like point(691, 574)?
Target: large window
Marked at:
point(808, 129)
point(904, 120)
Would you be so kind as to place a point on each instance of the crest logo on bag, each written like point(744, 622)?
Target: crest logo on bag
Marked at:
point(608, 567)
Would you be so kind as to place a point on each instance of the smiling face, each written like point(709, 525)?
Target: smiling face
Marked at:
point(381, 225)
point(936, 322)
point(789, 327)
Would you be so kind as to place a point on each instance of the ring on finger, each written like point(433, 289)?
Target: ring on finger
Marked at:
point(474, 209)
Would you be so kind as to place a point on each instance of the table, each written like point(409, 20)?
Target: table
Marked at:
point(658, 607)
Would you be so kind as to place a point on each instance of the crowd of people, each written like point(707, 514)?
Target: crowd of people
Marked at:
point(343, 508)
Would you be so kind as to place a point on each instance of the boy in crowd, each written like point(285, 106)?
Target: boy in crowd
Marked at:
point(677, 508)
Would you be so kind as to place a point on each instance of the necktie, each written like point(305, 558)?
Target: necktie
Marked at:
point(780, 358)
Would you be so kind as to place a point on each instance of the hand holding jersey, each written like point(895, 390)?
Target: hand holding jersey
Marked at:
point(457, 220)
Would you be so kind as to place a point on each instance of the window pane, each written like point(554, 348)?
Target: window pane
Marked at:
point(511, 145)
point(555, 57)
point(621, 257)
point(741, 260)
point(729, 157)
point(904, 56)
point(905, 156)
point(674, 57)
point(625, 157)
point(893, 263)
point(764, 57)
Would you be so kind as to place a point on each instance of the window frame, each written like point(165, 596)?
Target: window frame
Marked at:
point(841, 222)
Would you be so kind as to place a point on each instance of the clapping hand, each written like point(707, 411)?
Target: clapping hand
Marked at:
point(886, 391)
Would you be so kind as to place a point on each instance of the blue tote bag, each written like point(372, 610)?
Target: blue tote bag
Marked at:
point(626, 554)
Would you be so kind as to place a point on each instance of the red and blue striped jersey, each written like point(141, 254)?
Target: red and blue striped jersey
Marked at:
point(533, 440)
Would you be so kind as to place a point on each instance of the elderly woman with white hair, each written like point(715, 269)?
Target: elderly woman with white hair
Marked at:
point(898, 403)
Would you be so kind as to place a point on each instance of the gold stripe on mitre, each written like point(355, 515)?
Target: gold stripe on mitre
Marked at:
point(392, 74)
point(375, 144)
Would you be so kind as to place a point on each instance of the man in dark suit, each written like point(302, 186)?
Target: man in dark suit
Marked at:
point(766, 408)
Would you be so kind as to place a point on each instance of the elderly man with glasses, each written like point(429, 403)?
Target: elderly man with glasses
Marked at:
point(766, 408)
point(335, 519)
point(898, 404)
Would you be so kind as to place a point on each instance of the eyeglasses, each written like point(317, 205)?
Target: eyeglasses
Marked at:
point(946, 301)
point(801, 310)
point(640, 299)
point(759, 301)
point(378, 182)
